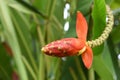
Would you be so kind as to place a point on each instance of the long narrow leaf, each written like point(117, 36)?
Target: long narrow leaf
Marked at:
point(12, 39)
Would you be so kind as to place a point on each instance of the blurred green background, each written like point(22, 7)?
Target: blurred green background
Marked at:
point(27, 25)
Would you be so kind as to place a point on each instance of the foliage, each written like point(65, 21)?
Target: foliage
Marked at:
point(27, 25)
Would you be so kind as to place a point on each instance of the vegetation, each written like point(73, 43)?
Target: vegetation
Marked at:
point(27, 25)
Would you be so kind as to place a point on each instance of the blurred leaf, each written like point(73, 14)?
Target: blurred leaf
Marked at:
point(54, 69)
point(109, 1)
point(103, 65)
point(69, 62)
point(84, 7)
point(116, 35)
point(41, 4)
point(108, 59)
point(59, 14)
point(25, 38)
point(115, 4)
point(73, 74)
point(76, 65)
point(80, 70)
point(114, 58)
point(31, 8)
point(5, 64)
point(11, 38)
point(101, 69)
point(20, 8)
point(116, 29)
point(73, 5)
point(29, 68)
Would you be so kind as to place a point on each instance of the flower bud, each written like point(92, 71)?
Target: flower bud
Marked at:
point(64, 47)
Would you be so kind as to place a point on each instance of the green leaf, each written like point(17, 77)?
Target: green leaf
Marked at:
point(22, 28)
point(30, 8)
point(20, 8)
point(99, 17)
point(11, 38)
point(115, 4)
point(109, 1)
point(5, 64)
point(65, 68)
point(84, 7)
point(29, 68)
point(115, 35)
point(99, 22)
point(41, 5)
point(116, 29)
point(108, 59)
point(101, 69)
point(103, 65)
point(114, 57)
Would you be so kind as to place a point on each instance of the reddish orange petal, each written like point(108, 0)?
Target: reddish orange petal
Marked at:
point(81, 26)
point(87, 57)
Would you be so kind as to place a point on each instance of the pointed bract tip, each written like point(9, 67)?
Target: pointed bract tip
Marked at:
point(87, 57)
point(78, 11)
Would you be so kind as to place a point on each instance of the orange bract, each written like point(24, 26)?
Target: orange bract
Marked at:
point(81, 26)
point(87, 57)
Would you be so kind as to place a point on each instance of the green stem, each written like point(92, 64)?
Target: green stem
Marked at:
point(91, 74)
point(73, 73)
point(29, 68)
point(81, 73)
point(57, 65)
point(48, 7)
point(52, 8)
point(41, 72)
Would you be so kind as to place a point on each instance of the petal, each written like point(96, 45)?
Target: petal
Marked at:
point(87, 57)
point(81, 26)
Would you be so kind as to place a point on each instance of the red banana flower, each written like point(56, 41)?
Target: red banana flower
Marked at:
point(71, 46)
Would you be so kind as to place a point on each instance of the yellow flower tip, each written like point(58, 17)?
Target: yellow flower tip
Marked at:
point(43, 49)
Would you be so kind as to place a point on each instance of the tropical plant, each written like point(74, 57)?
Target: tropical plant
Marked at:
point(28, 25)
